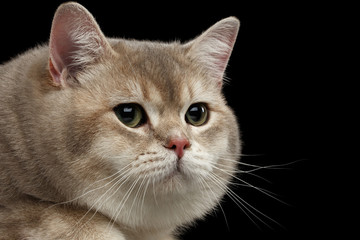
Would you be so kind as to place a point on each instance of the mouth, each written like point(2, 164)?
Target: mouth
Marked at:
point(173, 174)
point(174, 180)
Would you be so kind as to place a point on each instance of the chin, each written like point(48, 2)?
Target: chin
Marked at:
point(171, 207)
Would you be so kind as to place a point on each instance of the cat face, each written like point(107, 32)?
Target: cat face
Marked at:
point(165, 144)
point(149, 132)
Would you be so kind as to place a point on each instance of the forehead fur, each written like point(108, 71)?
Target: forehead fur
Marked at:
point(154, 72)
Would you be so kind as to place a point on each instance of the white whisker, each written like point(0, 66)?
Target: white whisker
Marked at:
point(92, 190)
point(143, 198)
point(207, 187)
point(249, 184)
point(154, 192)
point(257, 167)
point(135, 197)
point(242, 204)
point(121, 204)
point(123, 175)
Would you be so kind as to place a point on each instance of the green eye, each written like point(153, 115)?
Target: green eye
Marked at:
point(130, 114)
point(197, 114)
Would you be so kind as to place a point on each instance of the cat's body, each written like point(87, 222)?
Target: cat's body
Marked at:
point(72, 166)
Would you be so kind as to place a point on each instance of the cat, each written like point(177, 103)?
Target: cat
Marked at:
point(104, 138)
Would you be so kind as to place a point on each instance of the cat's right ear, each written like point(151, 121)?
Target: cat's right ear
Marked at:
point(213, 48)
point(76, 42)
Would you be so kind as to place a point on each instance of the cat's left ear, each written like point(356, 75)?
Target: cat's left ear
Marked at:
point(76, 42)
point(213, 48)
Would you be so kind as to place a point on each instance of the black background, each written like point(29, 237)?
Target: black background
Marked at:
point(275, 91)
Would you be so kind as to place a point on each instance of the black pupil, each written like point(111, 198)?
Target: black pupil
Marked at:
point(196, 112)
point(127, 114)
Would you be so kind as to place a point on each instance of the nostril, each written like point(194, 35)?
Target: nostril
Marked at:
point(178, 145)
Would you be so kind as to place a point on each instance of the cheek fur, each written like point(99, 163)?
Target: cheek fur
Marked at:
point(213, 137)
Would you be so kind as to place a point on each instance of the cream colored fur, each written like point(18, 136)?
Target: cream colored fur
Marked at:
point(69, 169)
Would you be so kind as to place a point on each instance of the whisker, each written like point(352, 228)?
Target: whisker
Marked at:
point(136, 196)
point(251, 155)
point(203, 183)
point(122, 169)
point(257, 176)
point(242, 204)
point(154, 192)
point(255, 209)
point(92, 190)
point(275, 166)
point(243, 208)
point(254, 187)
point(143, 198)
point(123, 175)
point(258, 167)
point(122, 204)
point(238, 171)
point(246, 185)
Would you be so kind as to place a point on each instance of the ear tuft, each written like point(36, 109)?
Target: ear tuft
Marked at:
point(76, 41)
point(213, 48)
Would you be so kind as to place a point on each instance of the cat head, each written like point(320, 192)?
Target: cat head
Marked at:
point(148, 137)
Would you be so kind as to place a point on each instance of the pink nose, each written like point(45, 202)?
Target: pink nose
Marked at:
point(178, 145)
